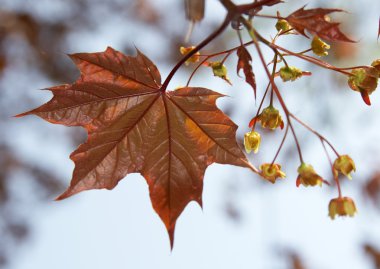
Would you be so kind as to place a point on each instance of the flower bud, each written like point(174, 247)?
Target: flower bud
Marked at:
point(290, 73)
point(344, 165)
point(271, 172)
point(252, 141)
point(364, 79)
point(193, 59)
point(307, 176)
point(220, 70)
point(282, 25)
point(319, 47)
point(342, 206)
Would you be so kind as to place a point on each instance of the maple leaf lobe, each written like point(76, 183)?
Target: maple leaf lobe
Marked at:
point(168, 137)
point(314, 20)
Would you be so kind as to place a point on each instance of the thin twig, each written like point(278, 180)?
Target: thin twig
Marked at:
point(282, 143)
point(315, 132)
point(211, 37)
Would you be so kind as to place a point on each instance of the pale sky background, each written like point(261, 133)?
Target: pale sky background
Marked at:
point(119, 229)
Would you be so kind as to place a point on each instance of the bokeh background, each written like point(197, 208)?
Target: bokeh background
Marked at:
point(245, 222)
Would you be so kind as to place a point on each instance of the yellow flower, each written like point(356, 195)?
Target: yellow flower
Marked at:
point(307, 176)
point(252, 141)
point(344, 165)
point(193, 59)
point(271, 172)
point(270, 118)
point(342, 206)
point(290, 73)
point(319, 47)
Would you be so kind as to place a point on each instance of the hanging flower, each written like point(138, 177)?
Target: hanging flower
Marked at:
point(271, 172)
point(342, 206)
point(364, 80)
point(252, 141)
point(270, 118)
point(307, 176)
point(344, 165)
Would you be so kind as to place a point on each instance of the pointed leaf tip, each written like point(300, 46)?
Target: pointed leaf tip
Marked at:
point(171, 238)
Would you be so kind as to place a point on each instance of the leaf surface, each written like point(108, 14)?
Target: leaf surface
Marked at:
point(317, 23)
point(133, 126)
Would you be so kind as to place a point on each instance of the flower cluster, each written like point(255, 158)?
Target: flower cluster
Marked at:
point(342, 206)
point(363, 79)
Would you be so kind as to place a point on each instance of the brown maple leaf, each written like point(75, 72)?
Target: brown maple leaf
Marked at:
point(244, 62)
point(134, 126)
point(317, 23)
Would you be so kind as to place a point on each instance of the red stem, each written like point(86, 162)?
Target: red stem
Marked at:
point(336, 179)
point(269, 16)
point(282, 143)
point(196, 69)
point(321, 137)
